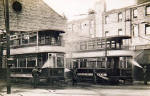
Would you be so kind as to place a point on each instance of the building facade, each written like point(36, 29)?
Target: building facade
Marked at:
point(36, 35)
point(131, 21)
point(87, 27)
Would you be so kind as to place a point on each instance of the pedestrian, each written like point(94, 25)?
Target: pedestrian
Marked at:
point(145, 74)
point(35, 75)
point(74, 76)
point(94, 76)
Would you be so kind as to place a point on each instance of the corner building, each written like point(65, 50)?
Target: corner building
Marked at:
point(36, 35)
point(132, 21)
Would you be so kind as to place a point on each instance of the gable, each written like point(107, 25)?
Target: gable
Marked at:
point(34, 15)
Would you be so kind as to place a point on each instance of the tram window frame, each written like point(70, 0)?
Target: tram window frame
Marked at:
point(25, 38)
point(113, 44)
point(60, 60)
point(47, 40)
point(91, 64)
point(32, 38)
point(83, 63)
point(42, 39)
point(103, 64)
point(15, 42)
point(22, 62)
point(29, 59)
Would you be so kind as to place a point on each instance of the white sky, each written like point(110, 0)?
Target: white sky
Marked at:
point(72, 8)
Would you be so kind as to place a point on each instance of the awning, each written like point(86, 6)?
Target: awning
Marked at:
point(118, 37)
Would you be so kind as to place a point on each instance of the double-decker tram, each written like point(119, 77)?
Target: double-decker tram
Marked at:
point(43, 49)
point(108, 57)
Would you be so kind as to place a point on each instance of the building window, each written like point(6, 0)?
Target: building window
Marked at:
point(106, 33)
point(147, 29)
point(106, 19)
point(135, 13)
point(135, 30)
point(147, 10)
point(119, 17)
point(120, 32)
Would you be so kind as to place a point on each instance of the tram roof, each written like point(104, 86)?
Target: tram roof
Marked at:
point(43, 30)
point(120, 37)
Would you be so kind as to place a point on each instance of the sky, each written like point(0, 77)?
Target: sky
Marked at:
point(73, 8)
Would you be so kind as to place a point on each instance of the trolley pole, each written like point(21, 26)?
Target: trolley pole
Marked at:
point(106, 50)
point(7, 45)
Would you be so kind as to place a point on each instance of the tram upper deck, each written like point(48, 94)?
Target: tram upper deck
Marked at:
point(109, 43)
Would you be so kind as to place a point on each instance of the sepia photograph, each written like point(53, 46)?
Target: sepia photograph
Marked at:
point(74, 47)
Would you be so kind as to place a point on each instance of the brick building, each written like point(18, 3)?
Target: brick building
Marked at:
point(36, 34)
point(131, 21)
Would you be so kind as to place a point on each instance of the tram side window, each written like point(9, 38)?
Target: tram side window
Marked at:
point(60, 62)
point(21, 62)
point(31, 62)
point(128, 64)
point(25, 38)
point(113, 45)
point(14, 63)
point(75, 64)
point(103, 64)
point(32, 39)
point(92, 64)
point(99, 63)
point(53, 40)
point(42, 40)
point(83, 63)
point(15, 42)
point(47, 39)
point(123, 63)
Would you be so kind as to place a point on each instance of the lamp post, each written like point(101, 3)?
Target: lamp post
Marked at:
point(6, 10)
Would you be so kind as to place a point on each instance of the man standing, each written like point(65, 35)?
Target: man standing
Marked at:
point(74, 76)
point(145, 74)
point(94, 76)
point(35, 74)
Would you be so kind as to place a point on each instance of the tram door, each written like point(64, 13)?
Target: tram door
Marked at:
point(115, 65)
point(51, 60)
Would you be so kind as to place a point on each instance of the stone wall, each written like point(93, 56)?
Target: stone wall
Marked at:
point(35, 15)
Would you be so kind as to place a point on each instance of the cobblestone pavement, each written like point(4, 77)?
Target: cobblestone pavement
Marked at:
point(79, 90)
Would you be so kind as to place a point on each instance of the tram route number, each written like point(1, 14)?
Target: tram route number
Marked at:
point(102, 74)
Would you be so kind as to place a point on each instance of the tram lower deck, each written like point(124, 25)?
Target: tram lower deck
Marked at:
point(110, 69)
